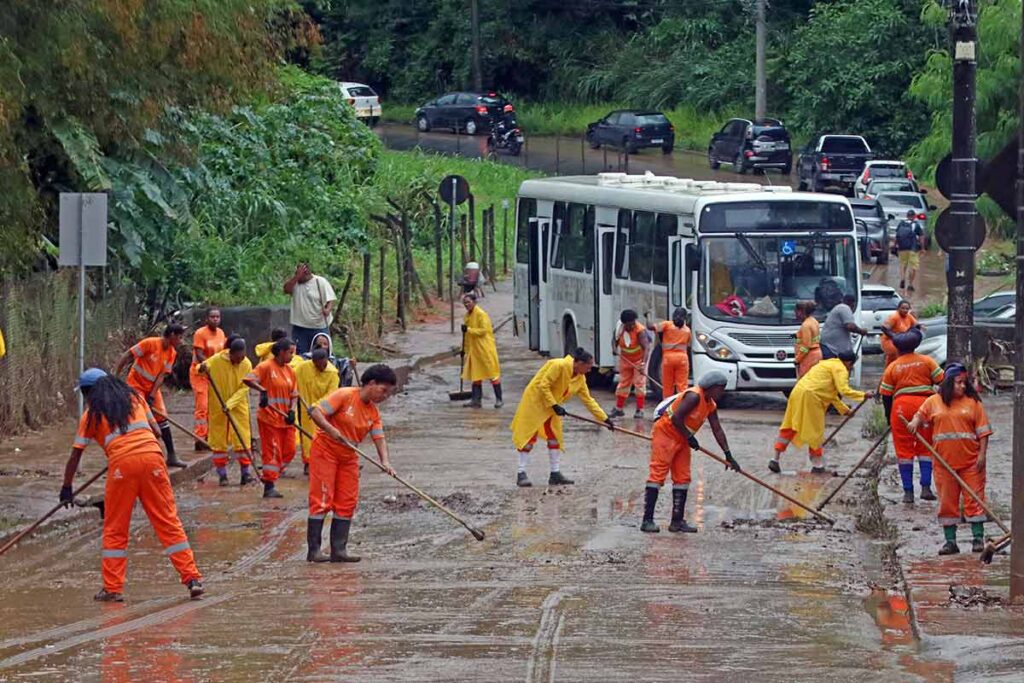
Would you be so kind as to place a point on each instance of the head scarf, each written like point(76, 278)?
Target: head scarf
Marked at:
point(714, 378)
point(908, 341)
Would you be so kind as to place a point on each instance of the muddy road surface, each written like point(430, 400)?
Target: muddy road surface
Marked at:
point(564, 587)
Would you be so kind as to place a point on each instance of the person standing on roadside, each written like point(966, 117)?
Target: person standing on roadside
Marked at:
point(630, 343)
point(840, 323)
point(808, 338)
point(909, 240)
point(275, 380)
point(227, 370)
point(481, 353)
point(674, 336)
point(960, 433)
point(151, 361)
point(207, 341)
point(312, 305)
point(117, 418)
point(899, 322)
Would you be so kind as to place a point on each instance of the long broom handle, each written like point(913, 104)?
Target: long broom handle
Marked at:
point(25, 532)
point(477, 533)
point(719, 459)
point(856, 467)
point(180, 426)
point(227, 413)
point(642, 372)
point(963, 484)
point(849, 416)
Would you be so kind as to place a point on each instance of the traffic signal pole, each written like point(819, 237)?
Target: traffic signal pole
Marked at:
point(960, 266)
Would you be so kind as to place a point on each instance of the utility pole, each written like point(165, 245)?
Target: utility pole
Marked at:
point(761, 77)
point(1017, 477)
point(964, 213)
point(474, 12)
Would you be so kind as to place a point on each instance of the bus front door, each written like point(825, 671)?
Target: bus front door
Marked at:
point(604, 309)
point(539, 230)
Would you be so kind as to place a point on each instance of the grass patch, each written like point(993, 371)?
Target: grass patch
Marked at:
point(875, 424)
point(932, 310)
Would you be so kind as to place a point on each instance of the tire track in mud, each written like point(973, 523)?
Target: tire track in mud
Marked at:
point(541, 666)
point(152, 618)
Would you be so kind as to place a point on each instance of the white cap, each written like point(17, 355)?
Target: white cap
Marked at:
point(472, 265)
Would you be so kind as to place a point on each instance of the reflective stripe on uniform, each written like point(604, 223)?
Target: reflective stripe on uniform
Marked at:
point(82, 441)
point(271, 468)
point(132, 427)
point(954, 436)
point(673, 347)
point(983, 430)
point(325, 408)
point(949, 521)
point(282, 401)
point(137, 352)
point(114, 552)
point(919, 389)
point(176, 548)
point(322, 515)
point(375, 433)
point(136, 368)
point(977, 518)
point(886, 387)
point(680, 487)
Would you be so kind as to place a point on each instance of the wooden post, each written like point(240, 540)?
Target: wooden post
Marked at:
point(406, 256)
point(492, 254)
point(400, 282)
point(366, 286)
point(438, 251)
point(380, 290)
point(462, 240)
point(473, 253)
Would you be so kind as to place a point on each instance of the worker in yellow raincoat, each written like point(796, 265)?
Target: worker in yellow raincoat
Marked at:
point(481, 353)
point(541, 410)
point(225, 370)
point(804, 422)
point(3, 347)
point(316, 378)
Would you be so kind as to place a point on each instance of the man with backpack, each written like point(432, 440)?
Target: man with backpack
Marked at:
point(909, 241)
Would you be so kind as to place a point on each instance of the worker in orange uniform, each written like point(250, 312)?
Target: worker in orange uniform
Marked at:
point(151, 361)
point(227, 371)
point(540, 410)
point(316, 378)
point(207, 341)
point(630, 344)
point(275, 380)
point(119, 420)
point(906, 383)
point(673, 436)
point(804, 421)
point(345, 417)
point(899, 322)
point(808, 338)
point(674, 336)
point(960, 431)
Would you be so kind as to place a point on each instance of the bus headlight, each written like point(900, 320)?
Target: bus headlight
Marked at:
point(715, 348)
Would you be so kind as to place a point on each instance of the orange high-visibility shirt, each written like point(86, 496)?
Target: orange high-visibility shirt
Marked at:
point(282, 388)
point(696, 418)
point(674, 340)
point(899, 324)
point(210, 343)
point(151, 360)
point(956, 428)
point(137, 438)
point(911, 373)
point(808, 337)
point(629, 343)
point(349, 415)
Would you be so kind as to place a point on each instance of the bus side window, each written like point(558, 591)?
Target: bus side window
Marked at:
point(621, 238)
point(607, 240)
point(589, 218)
point(641, 240)
point(575, 247)
point(560, 234)
point(666, 228)
point(527, 210)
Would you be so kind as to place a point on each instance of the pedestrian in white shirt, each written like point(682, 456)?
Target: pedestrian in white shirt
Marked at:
point(312, 305)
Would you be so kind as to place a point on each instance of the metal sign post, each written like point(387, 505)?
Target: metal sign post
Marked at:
point(454, 190)
point(83, 242)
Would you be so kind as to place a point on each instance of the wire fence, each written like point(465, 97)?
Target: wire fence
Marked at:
point(39, 320)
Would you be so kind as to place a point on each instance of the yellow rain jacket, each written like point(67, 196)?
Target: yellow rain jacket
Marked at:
point(481, 351)
point(263, 353)
point(820, 387)
point(554, 383)
point(313, 386)
point(3, 347)
point(228, 379)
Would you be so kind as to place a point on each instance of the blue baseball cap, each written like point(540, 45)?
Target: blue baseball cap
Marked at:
point(89, 378)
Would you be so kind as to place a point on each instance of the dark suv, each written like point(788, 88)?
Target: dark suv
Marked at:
point(632, 129)
point(472, 112)
point(749, 145)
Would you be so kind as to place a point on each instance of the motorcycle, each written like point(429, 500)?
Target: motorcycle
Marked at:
point(505, 137)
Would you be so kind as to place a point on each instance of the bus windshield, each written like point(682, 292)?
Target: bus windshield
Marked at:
point(758, 279)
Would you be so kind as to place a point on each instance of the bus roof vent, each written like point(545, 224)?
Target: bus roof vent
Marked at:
point(777, 188)
point(627, 179)
point(652, 180)
point(743, 187)
point(610, 178)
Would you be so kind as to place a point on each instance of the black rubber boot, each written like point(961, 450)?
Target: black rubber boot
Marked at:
point(949, 548)
point(172, 457)
point(977, 544)
point(773, 466)
point(926, 493)
point(270, 491)
point(314, 531)
point(559, 479)
point(498, 400)
point(908, 496)
point(106, 596)
point(246, 478)
point(616, 412)
point(476, 397)
point(339, 541)
point(679, 524)
point(522, 480)
point(195, 589)
point(650, 501)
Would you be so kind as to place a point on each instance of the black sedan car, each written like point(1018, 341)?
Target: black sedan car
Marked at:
point(872, 229)
point(632, 129)
point(469, 112)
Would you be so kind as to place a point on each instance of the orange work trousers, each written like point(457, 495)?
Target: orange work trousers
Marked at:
point(142, 476)
point(200, 395)
point(630, 376)
point(670, 452)
point(950, 493)
point(906, 444)
point(782, 443)
point(277, 449)
point(548, 434)
point(812, 358)
point(675, 373)
point(333, 482)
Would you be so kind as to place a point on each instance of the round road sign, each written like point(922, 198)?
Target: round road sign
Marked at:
point(946, 227)
point(454, 186)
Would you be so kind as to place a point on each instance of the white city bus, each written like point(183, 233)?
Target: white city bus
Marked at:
point(738, 256)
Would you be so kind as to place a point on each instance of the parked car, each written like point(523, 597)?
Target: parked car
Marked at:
point(832, 161)
point(877, 187)
point(633, 129)
point(877, 303)
point(364, 100)
point(879, 169)
point(895, 206)
point(469, 112)
point(997, 306)
point(749, 145)
point(872, 230)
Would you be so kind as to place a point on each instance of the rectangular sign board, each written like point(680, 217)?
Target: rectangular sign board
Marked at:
point(83, 216)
